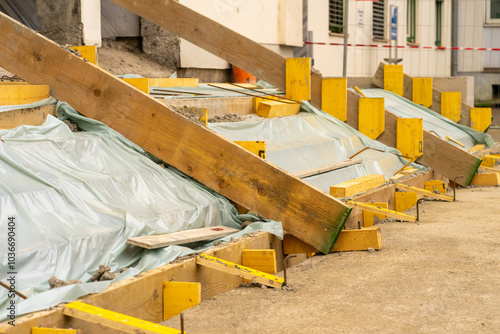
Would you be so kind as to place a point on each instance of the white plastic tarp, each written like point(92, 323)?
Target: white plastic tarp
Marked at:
point(77, 197)
point(313, 139)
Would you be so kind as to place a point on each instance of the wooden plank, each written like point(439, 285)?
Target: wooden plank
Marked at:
point(454, 141)
point(31, 116)
point(357, 185)
point(371, 119)
point(257, 100)
point(327, 168)
point(488, 162)
point(486, 179)
point(480, 118)
point(114, 320)
point(271, 109)
point(388, 213)
point(22, 94)
point(143, 291)
point(44, 330)
point(359, 240)
point(240, 271)
point(393, 79)
point(405, 200)
point(410, 137)
point(422, 91)
point(174, 82)
point(369, 217)
point(424, 192)
point(181, 237)
point(213, 37)
point(432, 185)
point(298, 78)
point(256, 147)
point(260, 259)
point(179, 296)
point(451, 105)
point(307, 212)
point(334, 97)
point(292, 245)
point(88, 52)
point(442, 156)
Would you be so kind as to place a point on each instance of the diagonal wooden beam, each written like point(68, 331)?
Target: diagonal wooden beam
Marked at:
point(219, 40)
point(306, 212)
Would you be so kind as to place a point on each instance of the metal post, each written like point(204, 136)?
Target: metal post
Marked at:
point(346, 21)
point(454, 37)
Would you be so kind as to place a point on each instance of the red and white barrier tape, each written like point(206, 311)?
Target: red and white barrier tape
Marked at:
point(407, 46)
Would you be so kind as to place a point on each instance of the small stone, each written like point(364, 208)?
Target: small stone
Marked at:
point(370, 249)
point(263, 286)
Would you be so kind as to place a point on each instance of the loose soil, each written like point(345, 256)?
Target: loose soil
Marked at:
point(439, 275)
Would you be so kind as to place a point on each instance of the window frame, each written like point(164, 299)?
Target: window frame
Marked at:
point(411, 21)
point(489, 20)
point(336, 29)
point(384, 20)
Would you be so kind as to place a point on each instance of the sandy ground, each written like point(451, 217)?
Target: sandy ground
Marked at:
point(436, 276)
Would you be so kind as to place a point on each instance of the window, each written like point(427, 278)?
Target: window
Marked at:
point(336, 16)
point(410, 21)
point(493, 11)
point(439, 19)
point(379, 20)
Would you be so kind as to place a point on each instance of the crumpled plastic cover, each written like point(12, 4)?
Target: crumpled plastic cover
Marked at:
point(312, 139)
point(77, 197)
point(433, 121)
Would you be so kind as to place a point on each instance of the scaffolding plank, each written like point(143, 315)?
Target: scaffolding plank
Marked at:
point(306, 212)
point(424, 192)
point(110, 319)
point(388, 213)
point(181, 237)
point(179, 296)
point(327, 168)
point(239, 270)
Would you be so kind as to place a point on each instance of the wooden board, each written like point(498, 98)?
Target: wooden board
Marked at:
point(22, 94)
point(480, 118)
point(306, 212)
point(179, 296)
point(256, 147)
point(181, 237)
point(334, 97)
point(43, 330)
point(357, 185)
point(410, 137)
point(422, 91)
point(298, 78)
point(369, 217)
point(88, 52)
point(31, 116)
point(393, 79)
point(110, 319)
point(327, 168)
point(424, 192)
point(371, 119)
point(451, 105)
point(240, 271)
point(387, 212)
point(271, 109)
point(405, 200)
point(260, 259)
point(144, 291)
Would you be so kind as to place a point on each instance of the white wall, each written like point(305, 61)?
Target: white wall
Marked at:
point(363, 61)
point(91, 21)
point(269, 22)
point(471, 18)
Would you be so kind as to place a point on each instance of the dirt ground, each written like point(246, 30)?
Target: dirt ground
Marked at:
point(439, 275)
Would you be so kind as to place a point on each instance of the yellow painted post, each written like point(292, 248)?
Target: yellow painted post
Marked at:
point(298, 78)
point(88, 52)
point(486, 179)
point(410, 136)
point(393, 79)
point(422, 91)
point(44, 330)
point(405, 200)
point(270, 109)
point(451, 105)
point(260, 259)
point(22, 94)
point(371, 116)
point(358, 240)
point(357, 185)
point(480, 118)
point(256, 147)
point(140, 83)
point(121, 322)
point(334, 97)
point(257, 100)
point(435, 185)
point(369, 217)
point(179, 296)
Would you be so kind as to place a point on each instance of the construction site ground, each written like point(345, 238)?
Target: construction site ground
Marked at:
point(438, 275)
